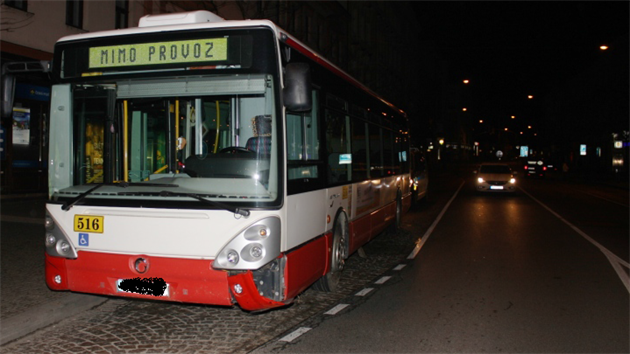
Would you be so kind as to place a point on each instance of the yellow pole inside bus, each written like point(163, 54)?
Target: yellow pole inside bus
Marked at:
point(125, 141)
point(176, 134)
point(216, 139)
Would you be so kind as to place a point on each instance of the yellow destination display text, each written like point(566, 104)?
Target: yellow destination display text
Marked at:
point(189, 51)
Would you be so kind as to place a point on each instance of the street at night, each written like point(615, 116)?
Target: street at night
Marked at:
point(541, 270)
point(287, 176)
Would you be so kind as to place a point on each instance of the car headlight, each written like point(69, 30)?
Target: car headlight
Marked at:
point(512, 180)
point(480, 180)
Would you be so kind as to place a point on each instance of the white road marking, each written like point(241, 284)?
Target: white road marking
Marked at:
point(382, 280)
point(335, 310)
point(400, 267)
point(364, 292)
point(608, 200)
point(614, 260)
point(429, 231)
point(295, 334)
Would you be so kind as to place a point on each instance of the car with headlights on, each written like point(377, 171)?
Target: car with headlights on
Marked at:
point(495, 177)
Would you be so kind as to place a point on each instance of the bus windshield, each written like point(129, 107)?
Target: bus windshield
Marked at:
point(212, 138)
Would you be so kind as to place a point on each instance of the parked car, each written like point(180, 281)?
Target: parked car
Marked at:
point(495, 177)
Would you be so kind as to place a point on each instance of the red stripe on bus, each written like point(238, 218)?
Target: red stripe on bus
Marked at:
point(189, 280)
point(306, 264)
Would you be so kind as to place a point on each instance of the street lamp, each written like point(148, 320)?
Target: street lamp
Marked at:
point(530, 96)
point(466, 81)
point(603, 47)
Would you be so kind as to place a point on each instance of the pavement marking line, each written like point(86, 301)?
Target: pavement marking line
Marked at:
point(623, 275)
point(364, 292)
point(295, 334)
point(614, 260)
point(400, 267)
point(382, 280)
point(429, 231)
point(608, 200)
point(335, 310)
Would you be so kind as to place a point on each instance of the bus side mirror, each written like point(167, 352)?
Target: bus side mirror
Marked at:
point(297, 87)
point(8, 90)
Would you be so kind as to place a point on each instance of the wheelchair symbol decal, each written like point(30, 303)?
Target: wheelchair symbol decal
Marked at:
point(84, 240)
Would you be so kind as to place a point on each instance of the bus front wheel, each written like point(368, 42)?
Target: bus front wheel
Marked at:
point(338, 255)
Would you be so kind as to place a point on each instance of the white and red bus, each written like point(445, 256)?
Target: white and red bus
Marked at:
point(194, 159)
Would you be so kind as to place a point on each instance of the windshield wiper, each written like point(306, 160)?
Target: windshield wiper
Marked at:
point(235, 210)
point(67, 205)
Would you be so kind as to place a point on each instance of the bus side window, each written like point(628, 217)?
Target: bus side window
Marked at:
point(303, 145)
point(338, 147)
point(360, 160)
point(376, 151)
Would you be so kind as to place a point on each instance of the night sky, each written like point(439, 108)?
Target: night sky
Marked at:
point(511, 49)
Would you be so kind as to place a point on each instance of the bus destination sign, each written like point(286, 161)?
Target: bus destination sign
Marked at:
point(175, 52)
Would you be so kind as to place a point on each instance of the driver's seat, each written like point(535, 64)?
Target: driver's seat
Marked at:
point(259, 144)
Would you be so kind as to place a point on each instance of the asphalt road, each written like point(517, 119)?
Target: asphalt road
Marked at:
point(544, 270)
point(499, 273)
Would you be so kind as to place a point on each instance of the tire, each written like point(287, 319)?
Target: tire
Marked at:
point(338, 255)
point(399, 211)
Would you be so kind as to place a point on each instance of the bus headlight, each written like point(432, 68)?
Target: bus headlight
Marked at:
point(50, 240)
point(63, 247)
point(254, 247)
point(57, 242)
point(231, 258)
point(253, 252)
point(49, 224)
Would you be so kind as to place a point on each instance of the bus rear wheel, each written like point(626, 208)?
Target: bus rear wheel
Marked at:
point(397, 224)
point(338, 255)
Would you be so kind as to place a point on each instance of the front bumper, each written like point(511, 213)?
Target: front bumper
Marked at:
point(187, 280)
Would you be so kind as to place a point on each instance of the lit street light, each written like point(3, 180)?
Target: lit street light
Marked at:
point(603, 47)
